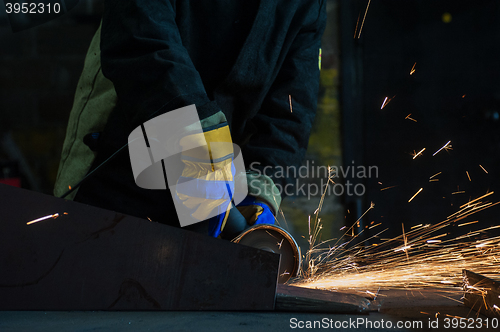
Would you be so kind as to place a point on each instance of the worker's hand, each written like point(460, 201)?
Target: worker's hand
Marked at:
point(206, 185)
point(256, 211)
point(251, 211)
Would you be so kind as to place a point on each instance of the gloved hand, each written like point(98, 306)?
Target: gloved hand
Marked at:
point(256, 211)
point(251, 211)
point(206, 185)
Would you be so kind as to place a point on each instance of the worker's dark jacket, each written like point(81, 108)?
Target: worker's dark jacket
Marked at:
point(248, 59)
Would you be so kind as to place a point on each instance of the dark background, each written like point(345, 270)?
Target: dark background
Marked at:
point(454, 95)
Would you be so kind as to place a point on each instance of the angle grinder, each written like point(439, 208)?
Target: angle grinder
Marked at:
point(277, 240)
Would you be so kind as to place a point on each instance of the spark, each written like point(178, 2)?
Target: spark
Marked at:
point(383, 104)
point(435, 175)
point(356, 30)
point(483, 169)
point(476, 199)
point(468, 175)
point(418, 192)
point(387, 188)
point(419, 153)
point(458, 192)
point(408, 117)
point(386, 101)
point(69, 187)
point(406, 247)
point(279, 244)
point(446, 147)
point(468, 223)
point(413, 69)
point(284, 273)
point(290, 102)
point(363, 22)
point(434, 180)
point(53, 216)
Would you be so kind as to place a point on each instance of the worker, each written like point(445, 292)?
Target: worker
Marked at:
point(242, 64)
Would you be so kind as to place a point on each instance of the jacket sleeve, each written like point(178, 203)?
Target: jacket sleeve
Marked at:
point(283, 130)
point(143, 55)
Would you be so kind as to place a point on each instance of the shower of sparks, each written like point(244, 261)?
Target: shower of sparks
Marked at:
point(424, 260)
point(408, 117)
point(446, 147)
point(53, 216)
point(419, 153)
point(468, 175)
point(477, 199)
point(418, 192)
point(290, 102)
point(363, 22)
point(386, 101)
point(413, 69)
point(483, 169)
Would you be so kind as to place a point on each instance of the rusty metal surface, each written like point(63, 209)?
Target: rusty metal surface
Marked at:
point(482, 294)
point(94, 259)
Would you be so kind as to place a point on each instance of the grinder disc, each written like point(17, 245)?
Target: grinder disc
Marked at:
point(277, 240)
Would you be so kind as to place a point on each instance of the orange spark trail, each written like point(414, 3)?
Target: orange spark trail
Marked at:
point(54, 216)
point(363, 22)
point(413, 69)
point(418, 192)
point(356, 30)
point(444, 147)
point(420, 152)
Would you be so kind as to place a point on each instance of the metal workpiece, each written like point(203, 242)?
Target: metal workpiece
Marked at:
point(481, 294)
point(79, 257)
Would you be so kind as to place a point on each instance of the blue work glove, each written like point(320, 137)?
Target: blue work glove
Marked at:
point(249, 212)
point(255, 211)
